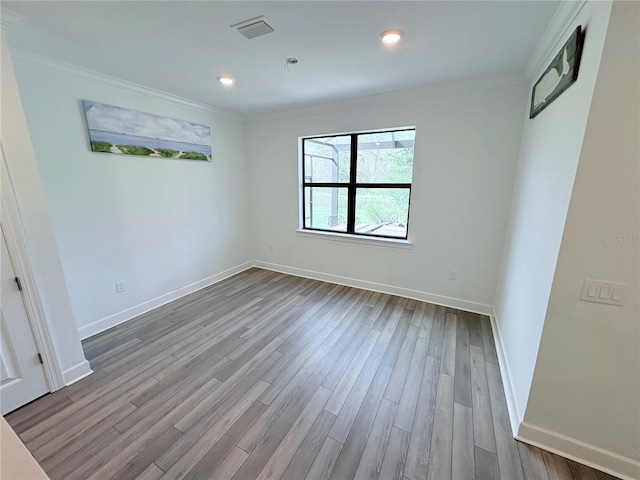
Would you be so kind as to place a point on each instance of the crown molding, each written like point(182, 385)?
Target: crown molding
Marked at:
point(553, 36)
point(8, 17)
point(439, 90)
point(65, 69)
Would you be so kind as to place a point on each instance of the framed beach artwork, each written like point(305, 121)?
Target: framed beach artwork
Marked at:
point(129, 132)
point(558, 76)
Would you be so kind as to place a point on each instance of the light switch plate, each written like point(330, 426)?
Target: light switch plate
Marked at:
point(602, 291)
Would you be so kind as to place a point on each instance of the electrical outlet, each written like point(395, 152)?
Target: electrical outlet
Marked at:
point(453, 275)
point(120, 287)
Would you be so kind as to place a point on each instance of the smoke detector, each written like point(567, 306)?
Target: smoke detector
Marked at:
point(254, 27)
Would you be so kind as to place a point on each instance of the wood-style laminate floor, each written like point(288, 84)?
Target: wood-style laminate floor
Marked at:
point(266, 375)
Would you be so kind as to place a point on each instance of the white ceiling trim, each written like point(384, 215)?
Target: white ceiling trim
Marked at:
point(450, 88)
point(66, 69)
point(553, 36)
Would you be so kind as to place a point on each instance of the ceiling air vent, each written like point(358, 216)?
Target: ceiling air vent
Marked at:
point(254, 27)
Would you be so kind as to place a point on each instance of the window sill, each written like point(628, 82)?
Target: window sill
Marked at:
point(362, 240)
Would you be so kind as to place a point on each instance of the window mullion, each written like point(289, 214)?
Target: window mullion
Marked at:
point(351, 212)
point(304, 193)
point(383, 201)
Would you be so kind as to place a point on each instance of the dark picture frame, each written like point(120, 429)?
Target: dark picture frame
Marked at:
point(559, 75)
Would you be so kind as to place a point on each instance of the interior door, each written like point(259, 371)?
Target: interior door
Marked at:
point(22, 374)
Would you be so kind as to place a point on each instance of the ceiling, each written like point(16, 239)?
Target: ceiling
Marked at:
point(180, 47)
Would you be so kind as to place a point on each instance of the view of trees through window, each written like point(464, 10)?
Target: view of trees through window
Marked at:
point(359, 183)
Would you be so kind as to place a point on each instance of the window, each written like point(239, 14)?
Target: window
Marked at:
point(358, 183)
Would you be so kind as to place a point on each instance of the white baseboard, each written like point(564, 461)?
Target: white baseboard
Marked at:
point(554, 442)
point(77, 372)
point(596, 457)
point(574, 449)
point(515, 417)
point(132, 312)
point(378, 287)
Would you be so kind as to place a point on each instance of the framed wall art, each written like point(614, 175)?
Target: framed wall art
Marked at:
point(129, 132)
point(559, 75)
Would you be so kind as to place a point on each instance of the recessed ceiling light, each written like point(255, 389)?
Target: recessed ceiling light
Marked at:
point(391, 37)
point(226, 80)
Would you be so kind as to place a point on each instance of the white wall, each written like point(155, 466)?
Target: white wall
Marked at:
point(40, 241)
point(165, 227)
point(465, 156)
point(586, 384)
point(549, 153)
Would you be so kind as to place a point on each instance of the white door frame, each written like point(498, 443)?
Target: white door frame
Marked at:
point(18, 247)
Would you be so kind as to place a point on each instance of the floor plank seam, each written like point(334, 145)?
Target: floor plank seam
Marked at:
point(341, 383)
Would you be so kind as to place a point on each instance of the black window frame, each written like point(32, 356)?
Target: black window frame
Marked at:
point(353, 185)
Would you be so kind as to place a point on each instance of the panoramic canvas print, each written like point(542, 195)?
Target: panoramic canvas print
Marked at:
point(120, 130)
